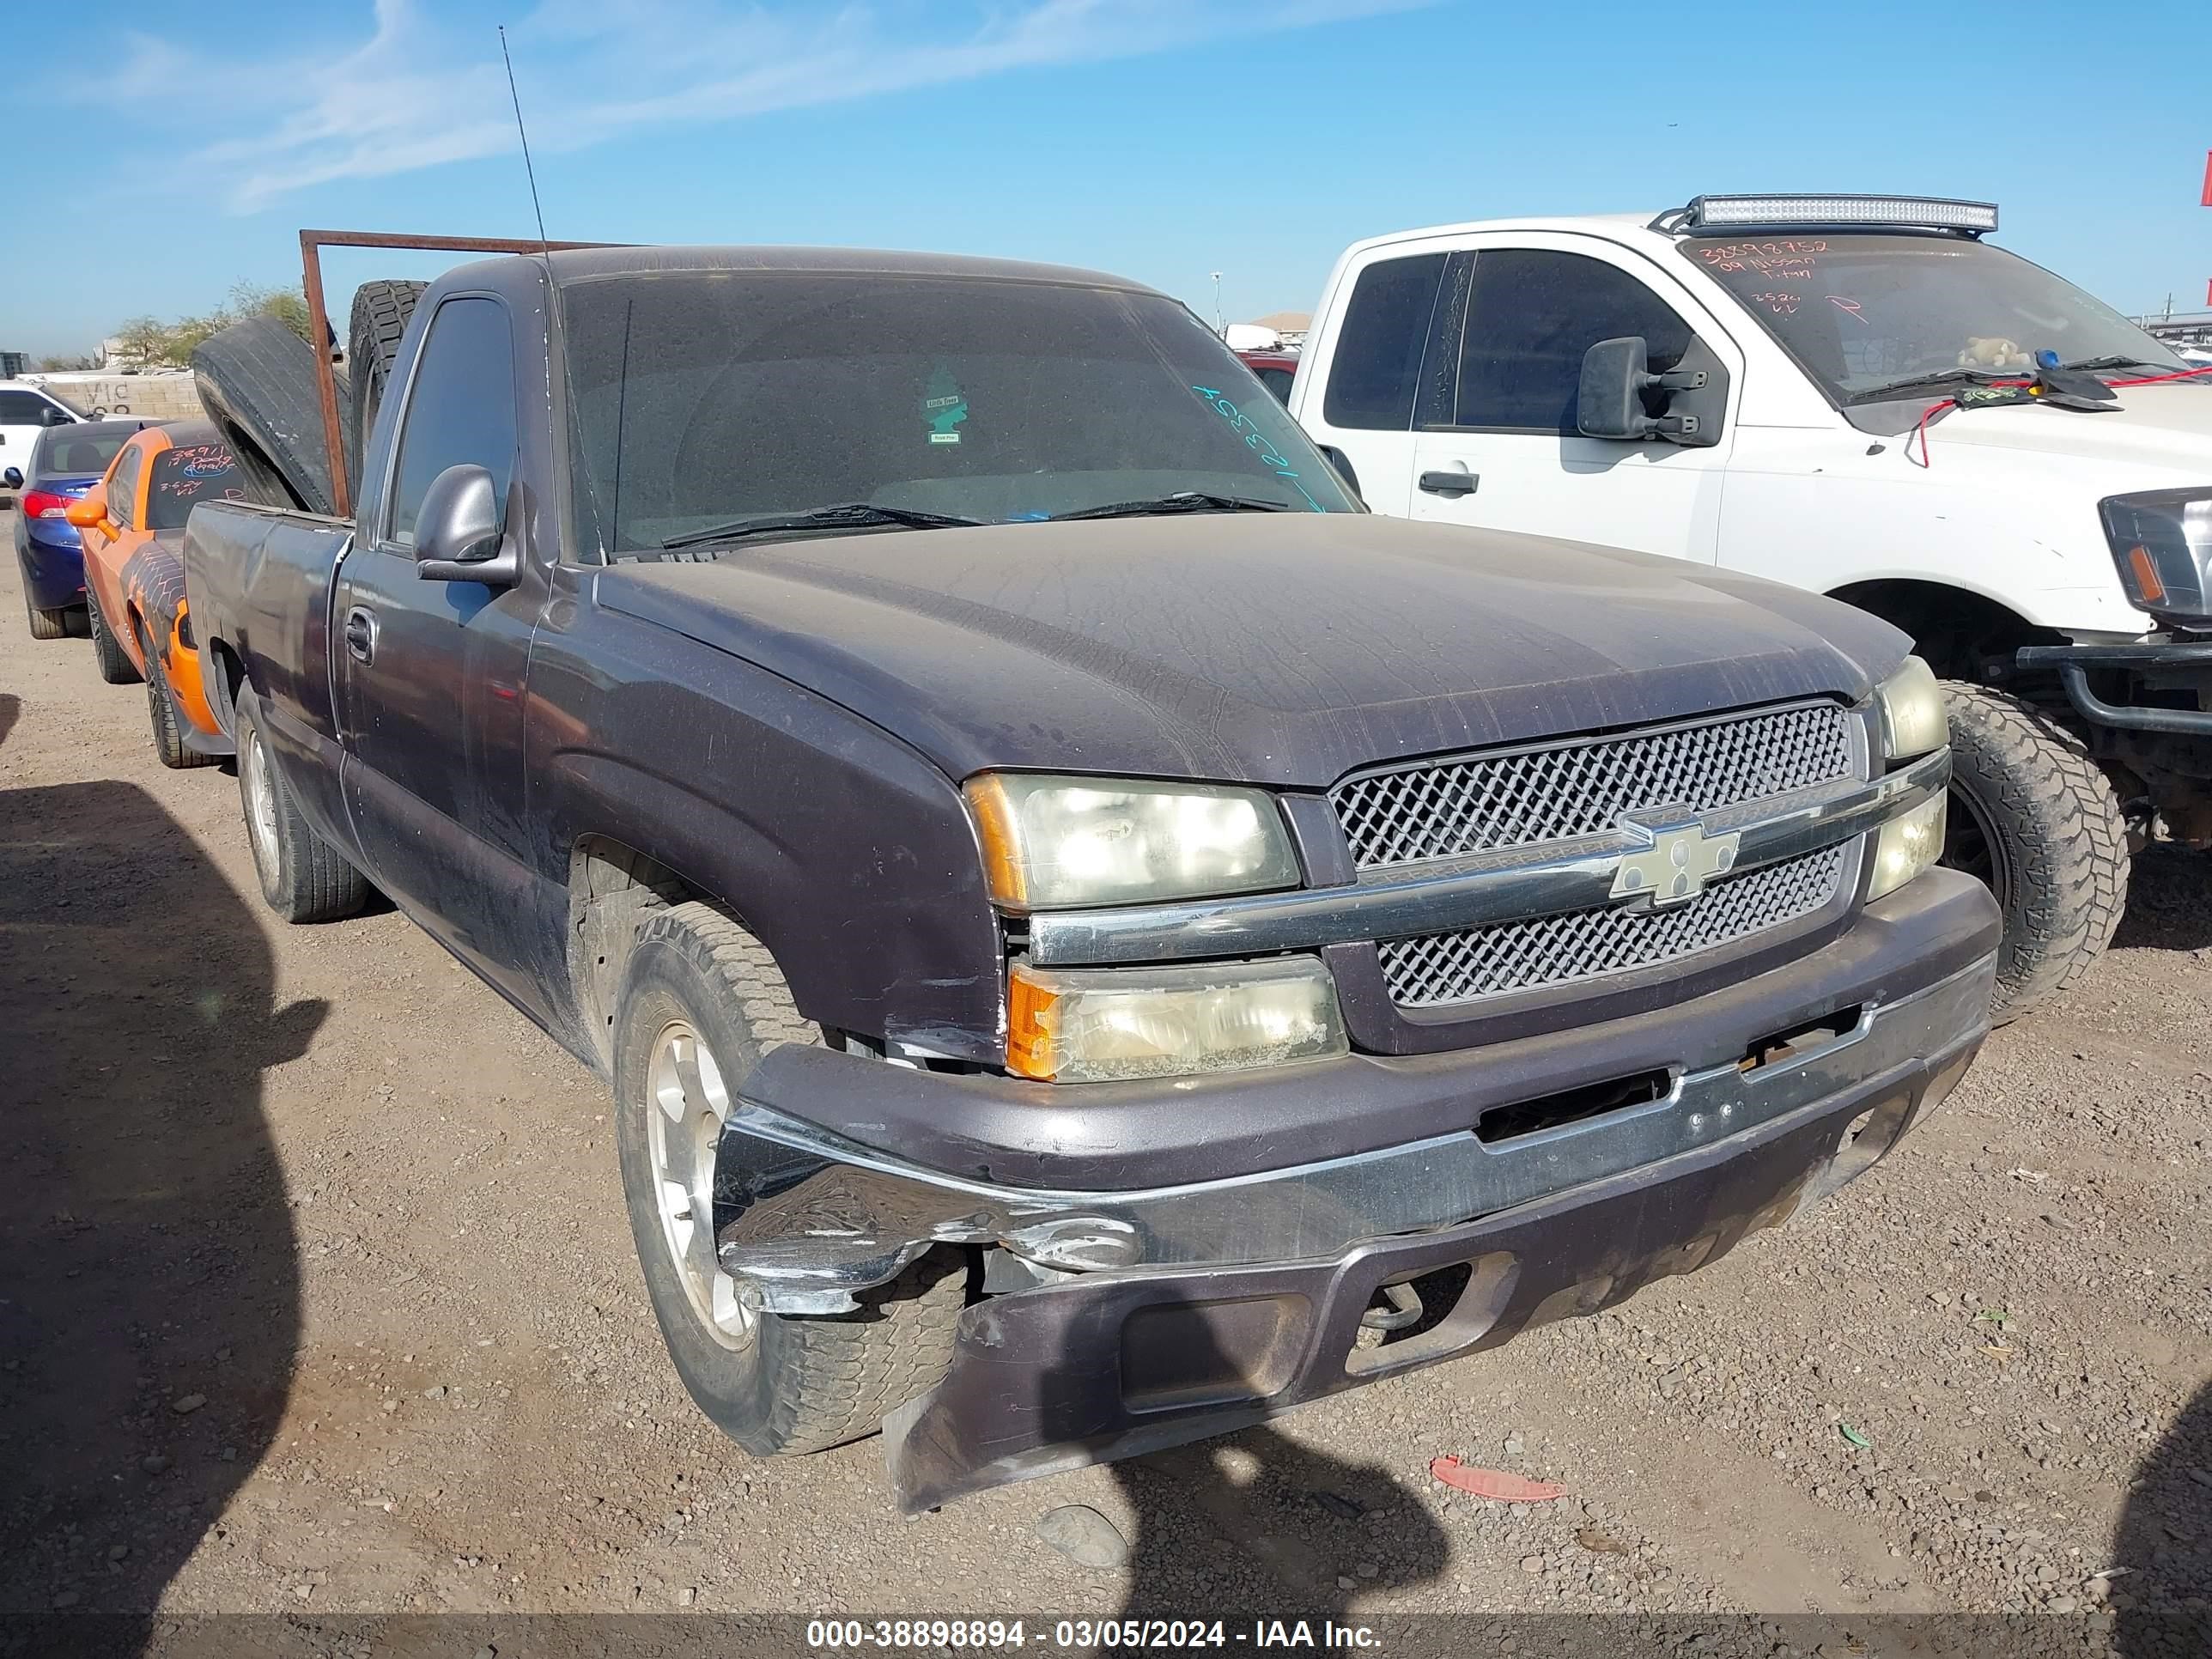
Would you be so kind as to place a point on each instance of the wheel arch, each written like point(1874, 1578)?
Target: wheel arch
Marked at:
point(612, 887)
point(1963, 633)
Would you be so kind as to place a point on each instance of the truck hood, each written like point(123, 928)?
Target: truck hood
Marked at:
point(2167, 427)
point(1266, 648)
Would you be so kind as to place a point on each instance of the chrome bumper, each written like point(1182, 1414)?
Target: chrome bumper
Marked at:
point(810, 1218)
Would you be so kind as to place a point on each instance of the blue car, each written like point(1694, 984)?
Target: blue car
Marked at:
point(65, 462)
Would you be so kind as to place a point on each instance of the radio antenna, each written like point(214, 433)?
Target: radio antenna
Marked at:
point(530, 171)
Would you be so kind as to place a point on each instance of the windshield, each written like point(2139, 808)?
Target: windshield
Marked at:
point(1858, 312)
point(701, 398)
point(185, 475)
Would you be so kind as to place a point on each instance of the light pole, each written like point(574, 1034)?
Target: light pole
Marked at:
point(1220, 322)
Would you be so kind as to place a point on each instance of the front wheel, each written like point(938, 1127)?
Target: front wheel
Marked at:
point(2033, 817)
point(700, 1002)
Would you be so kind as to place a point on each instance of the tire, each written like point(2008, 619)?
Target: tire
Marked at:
point(2033, 815)
point(106, 650)
point(257, 381)
point(380, 311)
point(169, 745)
point(45, 624)
point(303, 877)
point(776, 1384)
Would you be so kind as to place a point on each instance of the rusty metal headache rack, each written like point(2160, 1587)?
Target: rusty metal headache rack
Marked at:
point(312, 242)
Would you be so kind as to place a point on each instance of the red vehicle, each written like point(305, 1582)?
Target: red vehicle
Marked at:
point(1275, 370)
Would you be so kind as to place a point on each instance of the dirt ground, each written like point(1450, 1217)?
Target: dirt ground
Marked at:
point(318, 1300)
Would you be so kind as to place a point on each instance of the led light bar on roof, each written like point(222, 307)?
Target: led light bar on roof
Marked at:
point(1857, 212)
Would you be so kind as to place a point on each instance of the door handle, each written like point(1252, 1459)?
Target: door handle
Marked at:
point(1454, 481)
point(360, 633)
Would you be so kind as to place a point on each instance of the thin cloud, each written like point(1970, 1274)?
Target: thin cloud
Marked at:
point(414, 94)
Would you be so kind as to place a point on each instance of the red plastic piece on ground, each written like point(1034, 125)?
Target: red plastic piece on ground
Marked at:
point(1505, 1487)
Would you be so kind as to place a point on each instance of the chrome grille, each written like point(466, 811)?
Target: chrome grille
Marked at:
point(1477, 803)
point(1561, 950)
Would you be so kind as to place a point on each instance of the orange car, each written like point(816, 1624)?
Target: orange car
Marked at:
point(133, 526)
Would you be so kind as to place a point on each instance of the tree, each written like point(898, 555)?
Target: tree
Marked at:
point(141, 342)
point(145, 342)
point(64, 365)
point(253, 300)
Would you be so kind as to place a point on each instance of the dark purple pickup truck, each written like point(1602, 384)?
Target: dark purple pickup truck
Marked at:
point(1095, 938)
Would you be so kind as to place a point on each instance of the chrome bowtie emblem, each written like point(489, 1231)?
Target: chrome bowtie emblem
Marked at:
point(1680, 859)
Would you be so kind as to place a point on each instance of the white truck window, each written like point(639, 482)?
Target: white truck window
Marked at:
point(1377, 362)
point(1531, 314)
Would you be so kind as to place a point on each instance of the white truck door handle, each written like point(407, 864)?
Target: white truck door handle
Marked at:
point(1452, 481)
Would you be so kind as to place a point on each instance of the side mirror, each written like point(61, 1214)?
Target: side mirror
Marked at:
point(12, 478)
point(1609, 404)
point(456, 532)
point(88, 511)
point(1340, 463)
point(59, 418)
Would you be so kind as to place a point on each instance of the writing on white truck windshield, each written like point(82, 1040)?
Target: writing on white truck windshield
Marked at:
point(711, 402)
point(1860, 312)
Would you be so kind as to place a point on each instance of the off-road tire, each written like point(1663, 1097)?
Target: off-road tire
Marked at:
point(115, 666)
point(257, 381)
point(2057, 840)
point(169, 745)
point(45, 624)
point(380, 311)
point(805, 1383)
point(303, 877)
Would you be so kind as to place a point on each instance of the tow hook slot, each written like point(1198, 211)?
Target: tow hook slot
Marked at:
point(1800, 1042)
point(1554, 1111)
point(1405, 1309)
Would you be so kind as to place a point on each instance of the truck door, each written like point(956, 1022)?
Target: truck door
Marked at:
point(430, 673)
point(1495, 442)
point(1363, 375)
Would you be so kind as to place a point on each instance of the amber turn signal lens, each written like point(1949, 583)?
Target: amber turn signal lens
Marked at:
point(2148, 587)
point(1029, 1028)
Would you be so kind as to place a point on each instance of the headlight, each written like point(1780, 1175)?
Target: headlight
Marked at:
point(1913, 719)
point(2162, 542)
point(1907, 847)
point(1095, 1025)
point(1049, 842)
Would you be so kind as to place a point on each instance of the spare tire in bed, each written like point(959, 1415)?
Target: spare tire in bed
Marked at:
point(257, 381)
point(380, 311)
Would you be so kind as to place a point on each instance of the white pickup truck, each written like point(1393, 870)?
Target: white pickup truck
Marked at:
point(1860, 396)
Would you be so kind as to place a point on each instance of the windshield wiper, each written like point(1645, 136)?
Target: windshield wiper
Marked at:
point(1183, 501)
point(1944, 377)
point(848, 515)
point(2091, 365)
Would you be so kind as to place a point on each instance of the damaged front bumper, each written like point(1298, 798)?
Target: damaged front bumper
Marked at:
point(1168, 1311)
point(1114, 1365)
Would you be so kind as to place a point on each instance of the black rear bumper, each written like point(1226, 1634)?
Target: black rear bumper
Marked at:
point(1113, 1365)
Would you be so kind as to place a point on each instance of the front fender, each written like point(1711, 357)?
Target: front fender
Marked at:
point(849, 855)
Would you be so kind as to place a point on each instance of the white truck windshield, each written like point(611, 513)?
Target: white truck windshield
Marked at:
point(1859, 311)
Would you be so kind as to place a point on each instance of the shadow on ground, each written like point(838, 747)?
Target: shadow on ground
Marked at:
point(1299, 1533)
point(149, 1284)
point(2169, 901)
point(2165, 1544)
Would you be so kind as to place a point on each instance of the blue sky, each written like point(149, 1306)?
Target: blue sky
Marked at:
point(1162, 139)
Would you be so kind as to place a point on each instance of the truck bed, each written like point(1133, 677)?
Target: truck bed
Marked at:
point(259, 580)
